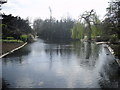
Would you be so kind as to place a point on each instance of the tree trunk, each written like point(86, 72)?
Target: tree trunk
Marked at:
point(89, 32)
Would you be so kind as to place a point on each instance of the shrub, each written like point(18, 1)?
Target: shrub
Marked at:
point(113, 38)
point(11, 41)
point(102, 39)
point(24, 38)
point(10, 38)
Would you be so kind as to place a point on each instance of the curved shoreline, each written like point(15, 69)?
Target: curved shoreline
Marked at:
point(9, 52)
point(110, 50)
point(113, 54)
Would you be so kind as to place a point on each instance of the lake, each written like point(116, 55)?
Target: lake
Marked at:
point(44, 64)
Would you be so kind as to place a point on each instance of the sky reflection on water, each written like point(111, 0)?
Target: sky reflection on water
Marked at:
point(61, 65)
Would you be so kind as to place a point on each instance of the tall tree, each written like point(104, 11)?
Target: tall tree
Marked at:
point(15, 26)
point(91, 20)
point(87, 16)
point(52, 29)
point(91, 26)
point(113, 17)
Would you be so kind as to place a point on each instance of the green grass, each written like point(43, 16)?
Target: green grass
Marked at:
point(24, 37)
point(11, 41)
point(10, 38)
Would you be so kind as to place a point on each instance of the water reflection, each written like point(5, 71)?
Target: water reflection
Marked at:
point(61, 65)
point(17, 57)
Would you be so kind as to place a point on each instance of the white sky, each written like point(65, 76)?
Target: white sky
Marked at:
point(60, 8)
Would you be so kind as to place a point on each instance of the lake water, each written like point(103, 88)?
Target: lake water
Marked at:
point(45, 64)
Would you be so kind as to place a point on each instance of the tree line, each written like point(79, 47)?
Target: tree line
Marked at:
point(88, 26)
point(15, 27)
point(112, 20)
point(52, 29)
point(92, 27)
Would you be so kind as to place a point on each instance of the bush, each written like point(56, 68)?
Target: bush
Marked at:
point(113, 38)
point(24, 38)
point(102, 39)
point(9, 38)
point(11, 41)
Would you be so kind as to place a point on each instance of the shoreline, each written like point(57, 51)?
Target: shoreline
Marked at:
point(7, 52)
point(111, 50)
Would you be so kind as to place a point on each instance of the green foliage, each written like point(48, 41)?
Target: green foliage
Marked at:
point(2, 25)
point(77, 32)
point(113, 38)
point(112, 20)
point(14, 26)
point(24, 38)
point(96, 31)
point(51, 29)
point(11, 41)
point(91, 26)
point(9, 38)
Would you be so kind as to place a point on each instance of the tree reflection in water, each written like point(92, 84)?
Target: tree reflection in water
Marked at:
point(17, 56)
point(68, 64)
point(88, 50)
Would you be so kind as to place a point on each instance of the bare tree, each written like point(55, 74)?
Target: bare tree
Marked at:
point(89, 18)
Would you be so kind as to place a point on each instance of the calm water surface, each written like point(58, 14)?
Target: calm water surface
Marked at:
point(61, 65)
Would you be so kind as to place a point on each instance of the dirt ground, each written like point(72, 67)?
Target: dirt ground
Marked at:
point(6, 47)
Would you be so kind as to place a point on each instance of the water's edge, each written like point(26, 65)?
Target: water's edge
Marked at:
point(9, 52)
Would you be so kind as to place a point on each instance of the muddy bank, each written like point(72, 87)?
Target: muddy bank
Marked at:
point(8, 48)
point(5, 49)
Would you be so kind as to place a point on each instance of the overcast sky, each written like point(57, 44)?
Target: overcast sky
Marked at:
point(60, 8)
